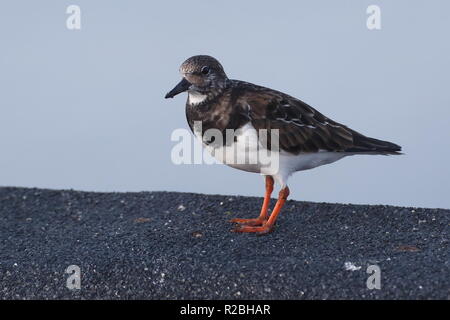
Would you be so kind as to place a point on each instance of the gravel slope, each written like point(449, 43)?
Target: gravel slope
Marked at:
point(161, 245)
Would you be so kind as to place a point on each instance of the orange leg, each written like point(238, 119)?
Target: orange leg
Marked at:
point(263, 216)
point(268, 225)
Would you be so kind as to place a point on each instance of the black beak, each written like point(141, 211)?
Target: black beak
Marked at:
point(179, 88)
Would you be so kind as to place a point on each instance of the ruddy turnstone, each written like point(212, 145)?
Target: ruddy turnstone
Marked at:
point(305, 138)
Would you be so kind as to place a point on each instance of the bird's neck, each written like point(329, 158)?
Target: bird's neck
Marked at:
point(203, 97)
point(196, 98)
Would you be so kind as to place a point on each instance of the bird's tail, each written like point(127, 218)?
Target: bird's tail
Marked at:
point(363, 144)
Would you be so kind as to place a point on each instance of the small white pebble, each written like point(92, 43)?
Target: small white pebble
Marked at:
point(350, 266)
point(181, 208)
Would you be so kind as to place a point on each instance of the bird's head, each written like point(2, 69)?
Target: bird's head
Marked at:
point(201, 74)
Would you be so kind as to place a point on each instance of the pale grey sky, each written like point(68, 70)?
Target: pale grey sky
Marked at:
point(84, 109)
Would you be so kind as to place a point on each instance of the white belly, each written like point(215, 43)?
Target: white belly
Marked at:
point(246, 153)
point(305, 161)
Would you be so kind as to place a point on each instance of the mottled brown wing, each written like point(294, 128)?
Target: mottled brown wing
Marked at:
point(301, 128)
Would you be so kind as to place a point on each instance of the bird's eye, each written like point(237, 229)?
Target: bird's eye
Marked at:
point(205, 70)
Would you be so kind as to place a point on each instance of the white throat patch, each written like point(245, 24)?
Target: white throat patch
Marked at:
point(196, 97)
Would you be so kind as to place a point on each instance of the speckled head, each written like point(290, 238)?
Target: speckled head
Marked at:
point(200, 74)
point(197, 64)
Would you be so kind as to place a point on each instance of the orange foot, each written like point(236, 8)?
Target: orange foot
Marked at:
point(262, 225)
point(250, 222)
point(263, 229)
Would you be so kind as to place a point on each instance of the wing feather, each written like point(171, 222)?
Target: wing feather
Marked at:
point(301, 127)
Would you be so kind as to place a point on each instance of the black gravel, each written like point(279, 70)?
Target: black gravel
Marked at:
point(164, 245)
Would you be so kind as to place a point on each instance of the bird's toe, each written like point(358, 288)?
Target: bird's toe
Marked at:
point(261, 230)
point(249, 222)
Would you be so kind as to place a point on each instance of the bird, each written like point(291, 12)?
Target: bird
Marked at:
point(305, 138)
